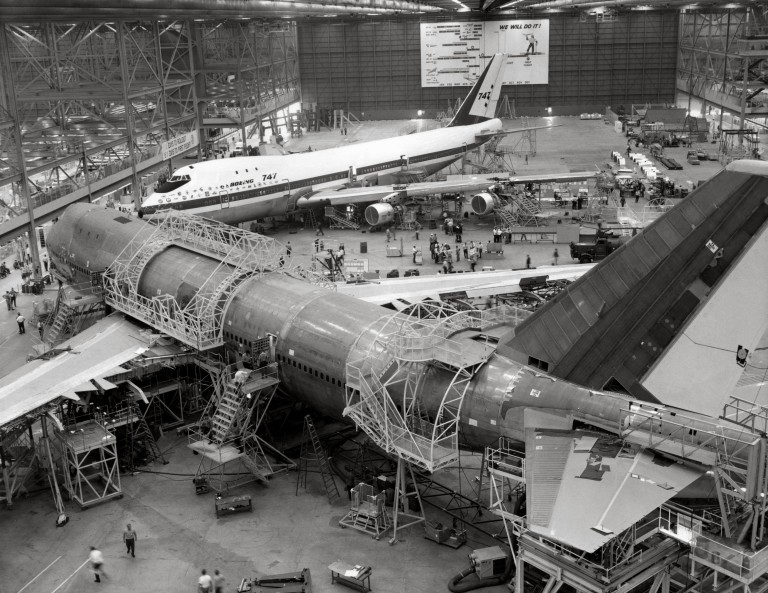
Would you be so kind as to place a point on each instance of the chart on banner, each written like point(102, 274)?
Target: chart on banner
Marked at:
point(454, 54)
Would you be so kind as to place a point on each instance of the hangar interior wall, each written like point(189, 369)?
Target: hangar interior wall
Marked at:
point(372, 68)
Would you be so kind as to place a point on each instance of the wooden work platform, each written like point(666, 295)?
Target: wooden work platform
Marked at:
point(533, 234)
point(256, 382)
point(417, 447)
point(472, 353)
point(215, 452)
point(87, 436)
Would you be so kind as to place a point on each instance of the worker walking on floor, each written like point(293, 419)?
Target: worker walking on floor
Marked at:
point(555, 255)
point(20, 319)
point(129, 538)
point(96, 559)
point(205, 582)
point(218, 582)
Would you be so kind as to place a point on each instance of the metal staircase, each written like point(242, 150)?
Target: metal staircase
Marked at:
point(319, 457)
point(70, 316)
point(527, 210)
point(227, 432)
point(60, 322)
point(226, 412)
point(339, 219)
point(508, 220)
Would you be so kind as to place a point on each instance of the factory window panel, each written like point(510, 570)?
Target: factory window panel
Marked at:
point(322, 376)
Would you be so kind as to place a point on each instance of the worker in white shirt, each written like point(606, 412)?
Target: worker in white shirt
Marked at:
point(205, 582)
point(97, 562)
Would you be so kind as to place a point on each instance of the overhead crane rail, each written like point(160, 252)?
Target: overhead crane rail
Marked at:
point(198, 322)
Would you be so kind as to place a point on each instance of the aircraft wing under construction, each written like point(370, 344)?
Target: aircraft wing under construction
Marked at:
point(80, 367)
point(404, 191)
point(585, 488)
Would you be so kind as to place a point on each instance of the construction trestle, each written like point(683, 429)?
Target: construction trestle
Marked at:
point(226, 435)
point(407, 344)
point(367, 511)
point(197, 323)
point(725, 545)
point(92, 474)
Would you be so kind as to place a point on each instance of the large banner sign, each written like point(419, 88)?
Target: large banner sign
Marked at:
point(451, 53)
point(179, 145)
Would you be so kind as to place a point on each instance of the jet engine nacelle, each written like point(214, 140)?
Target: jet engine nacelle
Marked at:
point(483, 203)
point(377, 214)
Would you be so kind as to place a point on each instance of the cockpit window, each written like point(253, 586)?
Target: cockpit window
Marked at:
point(173, 183)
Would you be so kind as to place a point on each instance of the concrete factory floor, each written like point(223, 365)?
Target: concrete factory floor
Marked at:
point(178, 533)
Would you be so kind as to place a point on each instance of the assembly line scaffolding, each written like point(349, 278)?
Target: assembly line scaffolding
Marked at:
point(198, 323)
point(227, 434)
point(726, 545)
point(385, 380)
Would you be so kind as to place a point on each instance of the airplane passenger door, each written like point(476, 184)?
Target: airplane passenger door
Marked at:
point(352, 174)
point(403, 162)
point(224, 199)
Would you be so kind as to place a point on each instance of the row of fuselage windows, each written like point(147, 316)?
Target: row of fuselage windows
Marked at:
point(280, 358)
point(77, 268)
point(310, 371)
point(283, 187)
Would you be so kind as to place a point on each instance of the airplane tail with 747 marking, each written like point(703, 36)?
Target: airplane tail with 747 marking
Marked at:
point(246, 188)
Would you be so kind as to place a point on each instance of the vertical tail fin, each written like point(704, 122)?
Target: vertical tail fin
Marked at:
point(480, 104)
point(672, 315)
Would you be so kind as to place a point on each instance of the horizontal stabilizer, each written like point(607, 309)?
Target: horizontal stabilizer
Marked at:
point(583, 489)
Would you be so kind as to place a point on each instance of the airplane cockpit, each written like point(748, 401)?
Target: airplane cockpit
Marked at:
point(175, 182)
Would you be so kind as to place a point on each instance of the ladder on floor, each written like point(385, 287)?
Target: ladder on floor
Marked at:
point(310, 220)
point(318, 455)
point(140, 431)
point(226, 411)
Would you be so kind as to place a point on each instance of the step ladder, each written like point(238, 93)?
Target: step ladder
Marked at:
point(226, 411)
point(318, 455)
point(140, 431)
point(310, 220)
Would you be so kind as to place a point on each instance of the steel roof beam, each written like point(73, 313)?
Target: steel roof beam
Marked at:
point(137, 9)
point(578, 4)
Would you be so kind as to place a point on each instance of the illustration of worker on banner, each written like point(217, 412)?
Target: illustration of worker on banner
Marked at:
point(532, 44)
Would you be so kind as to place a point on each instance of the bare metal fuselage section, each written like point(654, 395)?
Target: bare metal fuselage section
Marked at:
point(318, 330)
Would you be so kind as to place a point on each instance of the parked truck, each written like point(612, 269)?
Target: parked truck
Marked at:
point(604, 244)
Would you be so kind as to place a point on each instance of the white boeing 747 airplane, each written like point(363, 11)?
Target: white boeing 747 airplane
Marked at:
point(246, 188)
